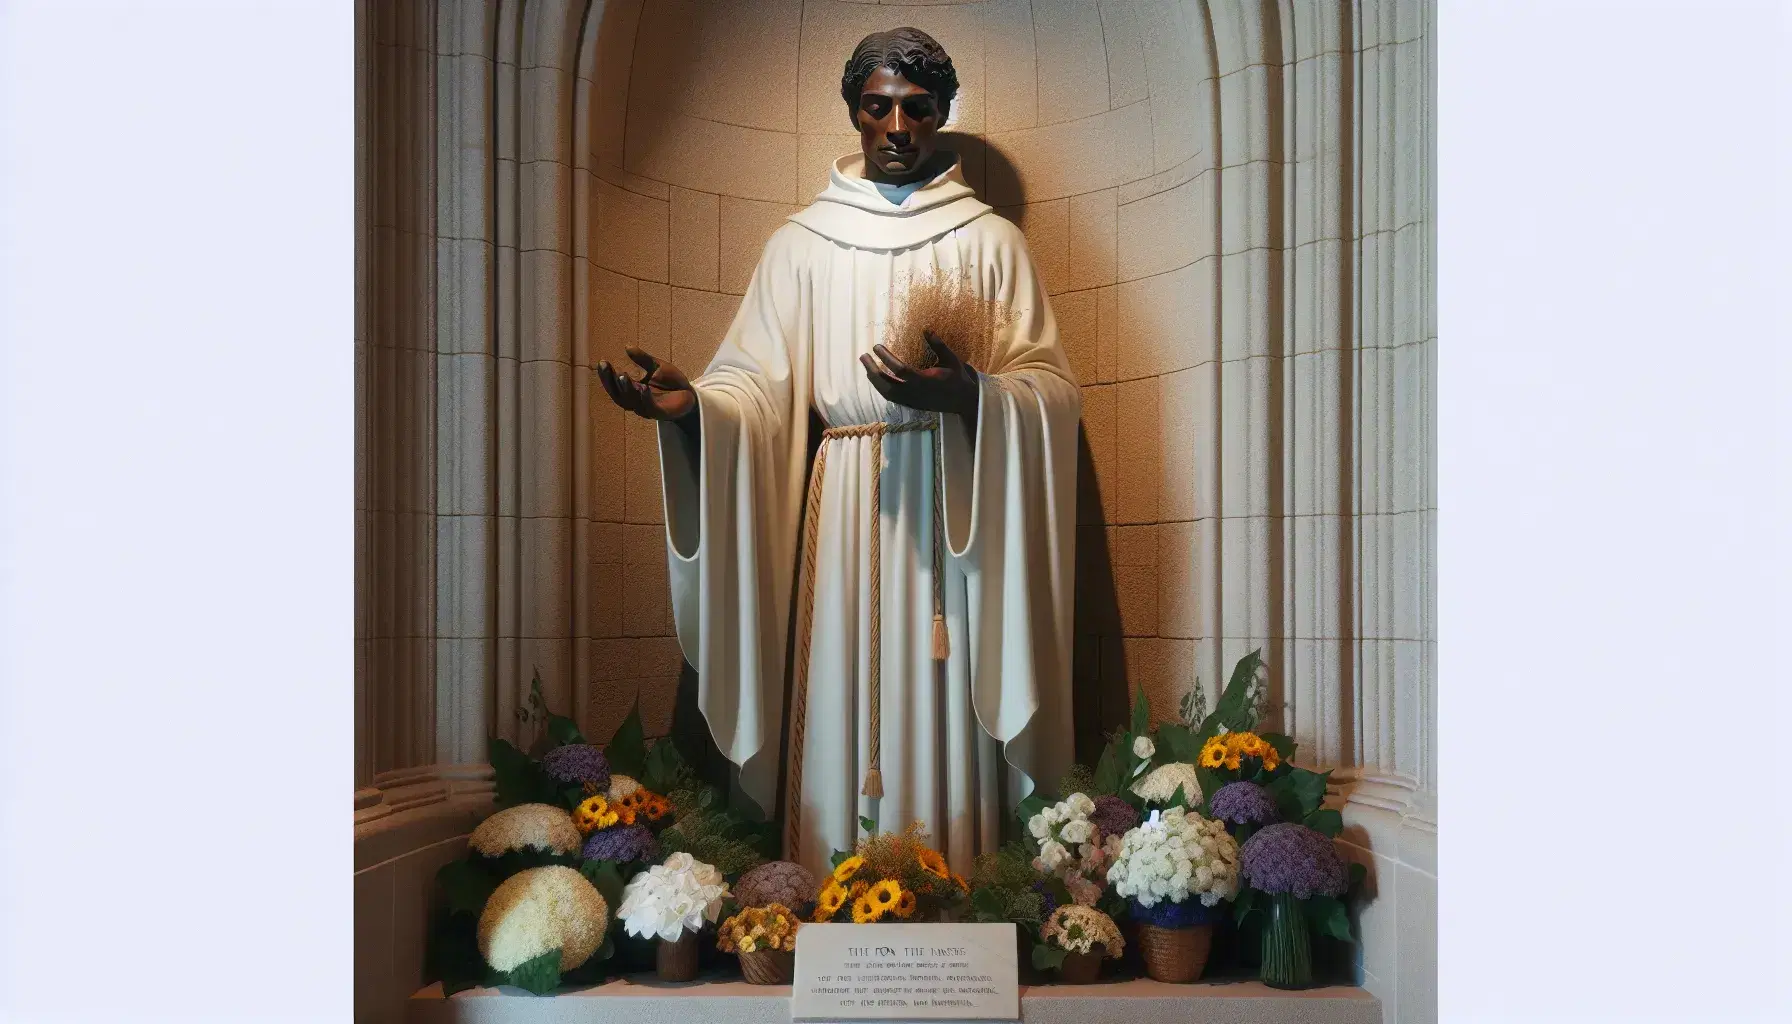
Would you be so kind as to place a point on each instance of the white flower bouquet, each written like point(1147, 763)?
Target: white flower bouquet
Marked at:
point(1071, 846)
point(668, 900)
point(1079, 929)
point(1176, 858)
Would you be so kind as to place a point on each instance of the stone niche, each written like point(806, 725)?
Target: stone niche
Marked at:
point(1230, 203)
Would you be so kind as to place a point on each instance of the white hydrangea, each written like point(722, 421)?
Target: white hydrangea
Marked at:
point(621, 786)
point(542, 909)
point(1179, 857)
point(1142, 747)
point(1160, 786)
point(526, 827)
point(672, 898)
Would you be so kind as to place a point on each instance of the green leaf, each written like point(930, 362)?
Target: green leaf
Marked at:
point(1141, 715)
point(1310, 787)
point(839, 855)
point(1108, 779)
point(1243, 904)
point(1284, 745)
point(1032, 805)
point(1328, 917)
point(988, 905)
point(1234, 707)
point(466, 887)
point(603, 875)
point(516, 778)
point(564, 730)
point(1176, 743)
point(663, 763)
point(1325, 820)
point(1178, 798)
point(869, 825)
point(1047, 957)
point(540, 975)
point(627, 750)
point(1211, 779)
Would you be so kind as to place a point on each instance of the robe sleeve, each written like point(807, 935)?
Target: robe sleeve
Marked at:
point(1008, 493)
point(732, 507)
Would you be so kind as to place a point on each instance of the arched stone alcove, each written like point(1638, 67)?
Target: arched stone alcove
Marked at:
point(1230, 202)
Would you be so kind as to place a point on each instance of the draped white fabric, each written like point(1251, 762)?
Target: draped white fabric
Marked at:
point(962, 740)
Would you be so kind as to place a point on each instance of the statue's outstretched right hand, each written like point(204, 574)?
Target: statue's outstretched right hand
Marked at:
point(662, 393)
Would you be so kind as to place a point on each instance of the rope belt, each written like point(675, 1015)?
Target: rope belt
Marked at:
point(874, 780)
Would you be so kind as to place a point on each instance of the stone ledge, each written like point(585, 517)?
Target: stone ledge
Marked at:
point(642, 1000)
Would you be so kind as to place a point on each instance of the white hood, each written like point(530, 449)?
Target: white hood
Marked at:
point(853, 212)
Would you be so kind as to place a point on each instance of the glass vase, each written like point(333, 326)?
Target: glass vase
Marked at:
point(1287, 944)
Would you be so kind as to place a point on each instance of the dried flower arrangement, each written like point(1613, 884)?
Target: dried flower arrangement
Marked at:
point(946, 302)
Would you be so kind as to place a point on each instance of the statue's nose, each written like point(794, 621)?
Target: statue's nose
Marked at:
point(898, 138)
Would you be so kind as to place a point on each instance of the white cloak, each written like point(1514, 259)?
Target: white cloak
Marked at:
point(962, 740)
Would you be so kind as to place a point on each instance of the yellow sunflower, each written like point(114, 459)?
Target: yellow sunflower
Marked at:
point(592, 814)
point(933, 863)
point(833, 897)
point(1232, 760)
point(959, 881)
point(1213, 754)
point(1270, 758)
point(885, 894)
point(865, 911)
point(847, 868)
point(905, 905)
point(859, 888)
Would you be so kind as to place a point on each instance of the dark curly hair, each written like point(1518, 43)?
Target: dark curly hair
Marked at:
point(911, 52)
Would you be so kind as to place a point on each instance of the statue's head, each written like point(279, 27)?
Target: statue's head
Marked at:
point(899, 87)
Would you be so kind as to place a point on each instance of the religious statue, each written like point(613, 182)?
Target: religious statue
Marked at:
point(929, 543)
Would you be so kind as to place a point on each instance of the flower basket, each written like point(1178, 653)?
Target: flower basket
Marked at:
point(1287, 945)
point(1080, 968)
point(677, 960)
point(768, 967)
point(1175, 955)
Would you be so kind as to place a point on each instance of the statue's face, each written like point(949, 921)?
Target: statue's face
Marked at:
point(898, 126)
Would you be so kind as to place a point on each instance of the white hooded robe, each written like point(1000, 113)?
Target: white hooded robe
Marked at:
point(965, 739)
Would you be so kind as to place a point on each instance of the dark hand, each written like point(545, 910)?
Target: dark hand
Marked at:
point(950, 386)
point(662, 393)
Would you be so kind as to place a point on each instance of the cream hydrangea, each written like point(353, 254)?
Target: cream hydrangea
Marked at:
point(672, 898)
point(1143, 747)
point(539, 910)
point(1078, 929)
point(621, 786)
point(526, 827)
point(1179, 857)
point(1160, 786)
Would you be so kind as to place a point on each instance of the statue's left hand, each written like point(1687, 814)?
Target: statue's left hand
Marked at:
point(950, 386)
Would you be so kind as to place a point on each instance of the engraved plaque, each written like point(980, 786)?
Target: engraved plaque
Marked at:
point(905, 972)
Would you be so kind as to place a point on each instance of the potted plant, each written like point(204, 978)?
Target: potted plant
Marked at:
point(1175, 870)
point(765, 940)
point(1300, 871)
point(1078, 937)
point(672, 902)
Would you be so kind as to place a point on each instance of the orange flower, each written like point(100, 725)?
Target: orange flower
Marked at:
point(934, 864)
point(905, 904)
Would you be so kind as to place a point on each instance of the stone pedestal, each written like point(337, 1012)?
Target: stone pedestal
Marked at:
point(643, 1000)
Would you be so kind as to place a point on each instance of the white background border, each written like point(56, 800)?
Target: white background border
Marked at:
point(176, 465)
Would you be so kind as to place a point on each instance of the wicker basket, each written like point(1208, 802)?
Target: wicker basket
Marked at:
point(768, 966)
point(1175, 955)
point(1079, 969)
point(676, 961)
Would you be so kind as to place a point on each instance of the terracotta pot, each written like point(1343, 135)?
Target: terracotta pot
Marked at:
point(768, 966)
point(1079, 969)
point(676, 961)
point(1175, 955)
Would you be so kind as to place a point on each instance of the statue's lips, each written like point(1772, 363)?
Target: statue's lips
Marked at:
point(898, 154)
